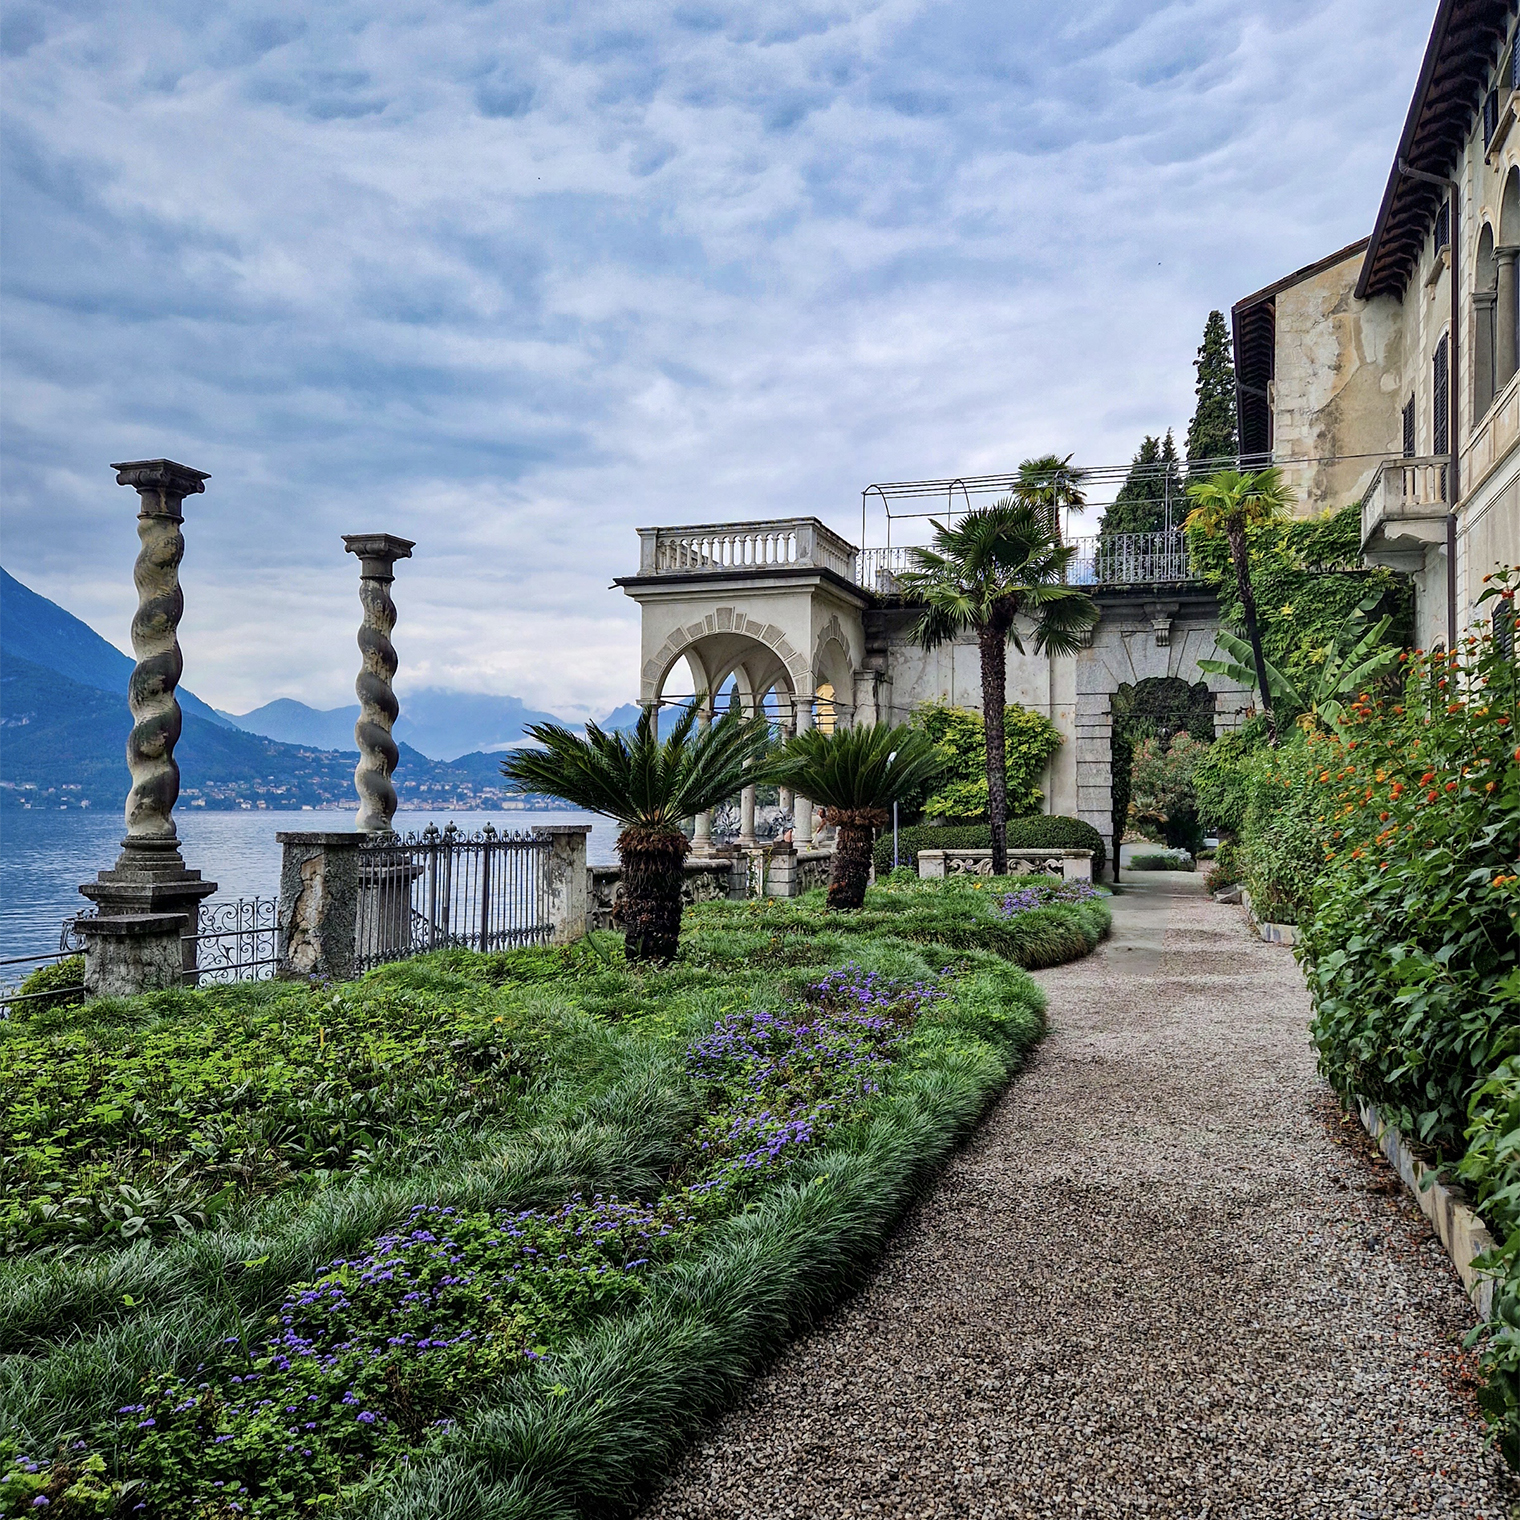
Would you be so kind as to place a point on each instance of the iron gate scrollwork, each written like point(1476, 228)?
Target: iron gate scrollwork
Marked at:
point(446, 888)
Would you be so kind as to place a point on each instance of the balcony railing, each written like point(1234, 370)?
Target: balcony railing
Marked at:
point(803, 543)
point(1406, 500)
point(789, 543)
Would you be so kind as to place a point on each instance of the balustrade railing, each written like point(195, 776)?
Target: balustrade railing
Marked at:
point(446, 888)
point(1407, 487)
point(793, 543)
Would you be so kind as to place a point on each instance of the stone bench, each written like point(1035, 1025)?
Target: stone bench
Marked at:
point(1071, 865)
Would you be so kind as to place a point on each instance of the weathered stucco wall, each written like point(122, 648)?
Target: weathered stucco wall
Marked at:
point(1336, 392)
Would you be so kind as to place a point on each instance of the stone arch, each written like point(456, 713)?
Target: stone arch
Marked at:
point(834, 668)
point(1158, 707)
point(1509, 210)
point(718, 642)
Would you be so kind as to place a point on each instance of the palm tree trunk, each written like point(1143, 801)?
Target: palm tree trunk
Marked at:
point(1235, 530)
point(851, 867)
point(992, 644)
point(650, 908)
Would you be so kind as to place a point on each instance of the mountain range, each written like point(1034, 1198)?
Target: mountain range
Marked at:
point(64, 724)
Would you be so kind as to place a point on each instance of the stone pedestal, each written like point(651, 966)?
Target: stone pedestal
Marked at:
point(383, 928)
point(319, 905)
point(565, 879)
point(129, 953)
point(780, 871)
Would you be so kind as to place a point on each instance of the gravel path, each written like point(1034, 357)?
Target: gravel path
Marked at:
point(1163, 1279)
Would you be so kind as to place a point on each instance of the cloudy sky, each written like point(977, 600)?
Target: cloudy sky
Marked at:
point(512, 279)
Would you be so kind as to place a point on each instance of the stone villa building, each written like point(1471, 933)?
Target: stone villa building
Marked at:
point(1385, 373)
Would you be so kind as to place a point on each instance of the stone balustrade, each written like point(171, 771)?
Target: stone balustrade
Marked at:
point(1070, 865)
point(787, 543)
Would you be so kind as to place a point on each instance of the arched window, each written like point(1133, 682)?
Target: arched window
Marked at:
point(1485, 296)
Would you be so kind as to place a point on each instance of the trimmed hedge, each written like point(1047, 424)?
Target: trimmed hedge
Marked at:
point(1043, 832)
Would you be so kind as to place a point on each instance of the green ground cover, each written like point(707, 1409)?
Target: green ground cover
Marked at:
point(478, 1234)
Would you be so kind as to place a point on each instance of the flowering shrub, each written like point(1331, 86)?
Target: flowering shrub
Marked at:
point(1413, 947)
point(1039, 894)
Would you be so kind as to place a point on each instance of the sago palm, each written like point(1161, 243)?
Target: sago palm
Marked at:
point(648, 787)
point(855, 775)
point(1229, 503)
point(978, 576)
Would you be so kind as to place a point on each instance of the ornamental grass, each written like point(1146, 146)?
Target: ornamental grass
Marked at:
point(616, 1190)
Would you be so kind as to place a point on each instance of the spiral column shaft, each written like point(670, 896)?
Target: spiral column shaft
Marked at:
point(149, 877)
point(378, 553)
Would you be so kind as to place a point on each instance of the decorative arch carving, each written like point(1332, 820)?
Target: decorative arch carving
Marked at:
point(726, 620)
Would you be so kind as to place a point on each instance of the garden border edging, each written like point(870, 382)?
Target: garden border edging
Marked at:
point(1458, 1227)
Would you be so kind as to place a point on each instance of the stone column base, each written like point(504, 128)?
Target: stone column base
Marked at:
point(130, 953)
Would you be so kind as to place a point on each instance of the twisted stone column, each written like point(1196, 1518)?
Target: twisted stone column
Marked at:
point(378, 553)
point(149, 875)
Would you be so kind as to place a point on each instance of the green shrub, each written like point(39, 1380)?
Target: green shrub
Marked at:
point(1162, 796)
point(1221, 778)
point(1162, 860)
point(1411, 949)
point(959, 795)
point(60, 985)
point(1045, 831)
point(1281, 850)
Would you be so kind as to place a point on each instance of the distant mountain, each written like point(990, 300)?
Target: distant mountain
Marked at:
point(33, 628)
point(444, 725)
point(293, 722)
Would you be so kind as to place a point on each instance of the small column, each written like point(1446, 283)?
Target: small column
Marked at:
point(1505, 311)
point(701, 843)
point(319, 905)
point(1484, 351)
point(747, 818)
point(150, 876)
point(378, 553)
point(129, 953)
point(565, 880)
point(802, 833)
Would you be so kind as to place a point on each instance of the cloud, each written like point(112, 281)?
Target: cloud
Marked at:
point(512, 279)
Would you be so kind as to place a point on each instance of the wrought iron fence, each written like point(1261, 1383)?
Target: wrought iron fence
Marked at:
point(1114, 559)
point(234, 942)
point(1129, 559)
point(446, 888)
point(15, 969)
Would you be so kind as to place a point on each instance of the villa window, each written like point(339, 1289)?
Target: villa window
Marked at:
point(1443, 226)
point(1409, 428)
point(1440, 399)
point(1490, 116)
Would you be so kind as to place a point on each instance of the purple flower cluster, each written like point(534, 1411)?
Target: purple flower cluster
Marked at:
point(787, 1077)
point(1042, 895)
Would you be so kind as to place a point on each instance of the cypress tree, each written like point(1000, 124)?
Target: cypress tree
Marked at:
point(1211, 433)
point(1140, 506)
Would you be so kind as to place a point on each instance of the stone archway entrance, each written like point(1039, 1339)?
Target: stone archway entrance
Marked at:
point(1158, 707)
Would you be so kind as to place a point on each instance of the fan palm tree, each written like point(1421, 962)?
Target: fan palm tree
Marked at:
point(1048, 484)
point(979, 574)
point(1229, 502)
point(855, 775)
point(648, 787)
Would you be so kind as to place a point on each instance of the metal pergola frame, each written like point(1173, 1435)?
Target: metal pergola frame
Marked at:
point(1109, 478)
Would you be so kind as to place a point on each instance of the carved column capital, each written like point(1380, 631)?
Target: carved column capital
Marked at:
point(161, 484)
point(378, 553)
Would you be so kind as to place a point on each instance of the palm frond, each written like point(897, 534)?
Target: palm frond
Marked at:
point(641, 780)
point(868, 766)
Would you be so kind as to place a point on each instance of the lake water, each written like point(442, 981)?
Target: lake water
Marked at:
point(45, 856)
